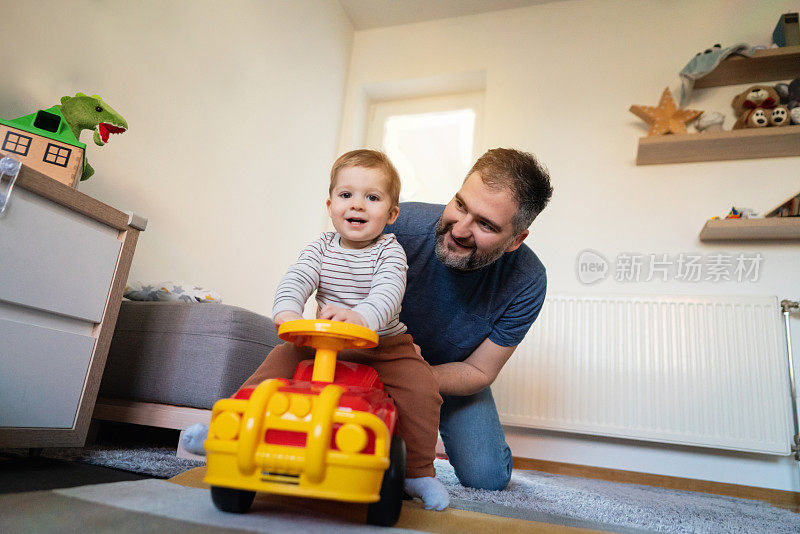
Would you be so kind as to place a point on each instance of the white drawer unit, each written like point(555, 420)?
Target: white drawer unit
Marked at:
point(54, 259)
point(64, 260)
point(41, 363)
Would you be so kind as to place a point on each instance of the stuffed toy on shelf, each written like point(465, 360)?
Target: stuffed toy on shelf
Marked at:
point(794, 113)
point(710, 121)
point(790, 97)
point(789, 93)
point(758, 107)
point(666, 117)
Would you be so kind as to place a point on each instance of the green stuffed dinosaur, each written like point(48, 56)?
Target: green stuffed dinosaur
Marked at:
point(84, 112)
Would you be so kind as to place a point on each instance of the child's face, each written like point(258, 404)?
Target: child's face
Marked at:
point(360, 206)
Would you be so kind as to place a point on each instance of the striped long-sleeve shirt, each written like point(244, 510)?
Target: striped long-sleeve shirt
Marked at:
point(370, 281)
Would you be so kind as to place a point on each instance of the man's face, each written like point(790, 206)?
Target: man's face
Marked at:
point(475, 228)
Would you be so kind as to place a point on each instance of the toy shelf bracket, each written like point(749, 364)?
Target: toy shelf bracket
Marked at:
point(9, 170)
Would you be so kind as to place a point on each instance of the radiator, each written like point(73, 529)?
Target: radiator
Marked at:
point(700, 371)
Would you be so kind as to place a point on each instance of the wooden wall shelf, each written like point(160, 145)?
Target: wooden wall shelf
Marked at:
point(764, 66)
point(750, 143)
point(773, 228)
point(773, 64)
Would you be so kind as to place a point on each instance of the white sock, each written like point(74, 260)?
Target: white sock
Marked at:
point(430, 490)
point(193, 438)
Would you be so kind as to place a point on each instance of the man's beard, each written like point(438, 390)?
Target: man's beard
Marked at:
point(470, 262)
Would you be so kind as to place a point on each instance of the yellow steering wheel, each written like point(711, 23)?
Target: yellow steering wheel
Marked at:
point(328, 338)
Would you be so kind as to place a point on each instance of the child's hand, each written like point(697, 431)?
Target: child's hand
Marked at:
point(284, 316)
point(335, 313)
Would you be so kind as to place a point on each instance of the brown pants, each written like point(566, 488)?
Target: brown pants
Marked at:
point(406, 377)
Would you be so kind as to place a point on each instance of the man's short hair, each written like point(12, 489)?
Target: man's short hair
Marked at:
point(369, 159)
point(523, 175)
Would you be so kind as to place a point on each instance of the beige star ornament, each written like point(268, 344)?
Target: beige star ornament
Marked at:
point(666, 117)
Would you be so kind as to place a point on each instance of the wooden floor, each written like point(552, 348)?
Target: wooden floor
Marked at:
point(789, 500)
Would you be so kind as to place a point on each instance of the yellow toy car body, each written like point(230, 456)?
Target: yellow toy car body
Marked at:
point(323, 438)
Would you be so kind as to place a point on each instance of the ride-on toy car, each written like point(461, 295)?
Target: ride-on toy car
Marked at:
point(327, 433)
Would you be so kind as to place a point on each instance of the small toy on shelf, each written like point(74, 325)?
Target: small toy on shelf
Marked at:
point(666, 117)
point(710, 121)
point(741, 213)
point(753, 107)
point(788, 208)
point(786, 32)
point(702, 64)
point(794, 113)
point(789, 93)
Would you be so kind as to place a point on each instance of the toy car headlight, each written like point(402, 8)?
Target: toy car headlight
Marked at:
point(278, 404)
point(300, 406)
point(226, 425)
point(351, 438)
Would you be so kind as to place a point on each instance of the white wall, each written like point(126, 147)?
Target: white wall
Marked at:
point(559, 79)
point(234, 111)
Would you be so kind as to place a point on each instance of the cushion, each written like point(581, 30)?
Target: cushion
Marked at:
point(184, 354)
point(170, 291)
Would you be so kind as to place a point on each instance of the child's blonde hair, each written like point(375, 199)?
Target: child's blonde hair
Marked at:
point(369, 159)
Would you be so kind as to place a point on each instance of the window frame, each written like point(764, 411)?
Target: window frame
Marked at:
point(380, 111)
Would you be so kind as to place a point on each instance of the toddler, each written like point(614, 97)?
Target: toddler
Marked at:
point(359, 275)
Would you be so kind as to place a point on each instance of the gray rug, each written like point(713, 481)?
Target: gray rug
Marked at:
point(153, 460)
point(537, 496)
point(574, 501)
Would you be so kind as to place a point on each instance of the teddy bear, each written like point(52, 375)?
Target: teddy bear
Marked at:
point(779, 116)
point(753, 107)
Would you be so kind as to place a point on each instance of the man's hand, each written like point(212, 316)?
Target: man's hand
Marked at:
point(282, 317)
point(475, 373)
point(335, 313)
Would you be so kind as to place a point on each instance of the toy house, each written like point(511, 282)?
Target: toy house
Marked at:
point(44, 141)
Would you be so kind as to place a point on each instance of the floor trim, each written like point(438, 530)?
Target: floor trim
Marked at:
point(789, 500)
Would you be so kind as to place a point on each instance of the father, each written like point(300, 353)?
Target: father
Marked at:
point(474, 289)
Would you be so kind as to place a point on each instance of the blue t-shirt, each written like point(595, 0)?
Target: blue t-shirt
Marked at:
point(450, 312)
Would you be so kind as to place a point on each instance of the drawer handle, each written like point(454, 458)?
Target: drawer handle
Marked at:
point(9, 169)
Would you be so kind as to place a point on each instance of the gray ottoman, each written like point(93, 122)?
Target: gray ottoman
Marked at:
point(184, 354)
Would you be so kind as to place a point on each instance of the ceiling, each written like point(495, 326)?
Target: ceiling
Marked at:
point(365, 14)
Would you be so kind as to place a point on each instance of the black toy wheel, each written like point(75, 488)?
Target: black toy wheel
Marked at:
point(232, 500)
point(386, 511)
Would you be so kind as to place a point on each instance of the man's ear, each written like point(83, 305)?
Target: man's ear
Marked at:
point(393, 213)
point(518, 241)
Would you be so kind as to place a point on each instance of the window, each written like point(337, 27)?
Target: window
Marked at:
point(432, 141)
point(16, 143)
point(57, 155)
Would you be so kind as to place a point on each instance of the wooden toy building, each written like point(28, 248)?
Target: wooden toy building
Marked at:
point(44, 141)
